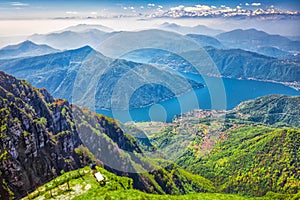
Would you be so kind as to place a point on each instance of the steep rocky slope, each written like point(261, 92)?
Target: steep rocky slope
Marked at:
point(37, 142)
point(40, 136)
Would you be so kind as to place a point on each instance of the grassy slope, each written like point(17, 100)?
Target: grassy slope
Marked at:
point(85, 187)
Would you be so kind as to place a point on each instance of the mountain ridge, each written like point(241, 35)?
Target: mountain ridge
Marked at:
point(25, 49)
point(251, 39)
point(65, 72)
point(42, 136)
point(198, 29)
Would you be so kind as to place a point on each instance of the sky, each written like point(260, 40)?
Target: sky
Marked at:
point(79, 8)
point(26, 17)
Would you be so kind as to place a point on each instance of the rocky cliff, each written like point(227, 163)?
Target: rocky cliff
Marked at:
point(37, 141)
point(40, 136)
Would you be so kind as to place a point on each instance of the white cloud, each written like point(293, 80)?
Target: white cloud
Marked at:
point(142, 7)
point(181, 7)
point(197, 8)
point(94, 13)
point(238, 7)
point(213, 7)
point(160, 6)
point(151, 4)
point(256, 4)
point(131, 8)
point(71, 12)
point(246, 4)
point(18, 4)
point(125, 8)
point(203, 7)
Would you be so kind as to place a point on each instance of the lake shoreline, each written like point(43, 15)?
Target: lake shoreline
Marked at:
point(236, 91)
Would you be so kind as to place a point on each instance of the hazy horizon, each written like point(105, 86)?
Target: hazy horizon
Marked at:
point(21, 19)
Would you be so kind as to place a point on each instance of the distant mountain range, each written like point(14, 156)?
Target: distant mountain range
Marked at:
point(252, 39)
point(86, 77)
point(124, 42)
point(85, 27)
point(199, 29)
point(249, 39)
point(204, 40)
point(270, 51)
point(236, 63)
point(231, 63)
point(25, 49)
point(71, 38)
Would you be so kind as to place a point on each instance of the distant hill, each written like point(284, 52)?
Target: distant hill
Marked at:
point(162, 58)
point(204, 40)
point(276, 110)
point(199, 29)
point(273, 52)
point(124, 42)
point(72, 39)
point(85, 27)
point(238, 63)
point(277, 53)
point(86, 77)
point(231, 63)
point(252, 39)
point(294, 38)
point(25, 49)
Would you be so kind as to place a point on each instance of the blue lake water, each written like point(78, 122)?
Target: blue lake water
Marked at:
point(218, 93)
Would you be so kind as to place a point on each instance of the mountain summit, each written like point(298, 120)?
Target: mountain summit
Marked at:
point(25, 49)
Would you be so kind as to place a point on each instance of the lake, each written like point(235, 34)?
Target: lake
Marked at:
point(218, 93)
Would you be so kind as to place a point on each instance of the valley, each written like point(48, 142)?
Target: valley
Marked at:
point(149, 100)
point(193, 141)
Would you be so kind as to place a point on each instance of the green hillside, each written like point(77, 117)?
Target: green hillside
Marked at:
point(200, 155)
point(40, 136)
point(252, 150)
point(82, 186)
point(252, 161)
point(277, 110)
